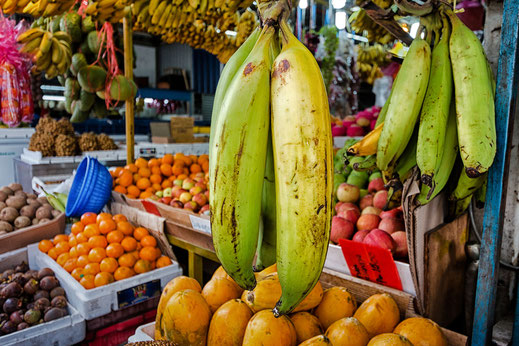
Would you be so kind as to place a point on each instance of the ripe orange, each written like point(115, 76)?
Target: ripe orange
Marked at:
point(92, 268)
point(195, 168)
point(77, 273)
point(168, 158)
point(115, 237)
point(45, 245)
point(163, 261)
point(177, 169)
point(145, 172)
point(132, 167)
point(119, 217)
point(62, 247)
point(146, 194)
point(107, 226)
point(140, 232)
point(97, 241)
point(63, 258)
point(182, 176)
point(53, 253)
point(136, 177)
point(103, 278)
point(153, 162)
point(125, 227)
point(133, 191)
point(114, 250)
point(140, 162)
point(97, 254)
point(155, 171)
point(143, 183)
point(148, 240)
point(117, 171)
point(59, 238)
point(135, 254)
point(142, 266)
point(91, 230)
point(82, 261)
point(187, 160)
point(72, 241)
point(103, 216)
point(108, 265)
point(205, 167)
point(156, 179)
point(165, 169)
point(121, 189)
point(87, 281)
point(125, 178)
point(129, 244)
point(148, 253)
point(88, 218)
point(73, 252)
point(83, 248)
point(122, 273)
point(166, 183)
point(77, 227)
point(156, 187)
point(70, 265)
point(203, 158)
point(127, 260)
point(81, 238)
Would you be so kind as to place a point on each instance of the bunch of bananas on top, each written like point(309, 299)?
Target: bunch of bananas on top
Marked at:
point(441, 104)
point(369, 60)
point(51, 51)
point(201, 24)
point(37, 8)
point(364, 25)
point(263, 91)
point(108, 10)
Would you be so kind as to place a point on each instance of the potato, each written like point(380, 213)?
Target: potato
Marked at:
point(29, 211)
point(3, 196)
point(15, 187)
point(43, 213)
point(6, 227)
point(7, 191)
point(34, 203)
point(20, 193)
point(31, 196)
point(55, 213)
point(2, 205)
point(9, 214)
point(22, 221)
point(43, 221)
point(16, 202)
point(43, 200)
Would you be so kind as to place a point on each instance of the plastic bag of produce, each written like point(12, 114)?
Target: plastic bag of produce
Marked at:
point(10, 104)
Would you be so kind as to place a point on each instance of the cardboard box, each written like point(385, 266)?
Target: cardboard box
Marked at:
point(161, 133)
point(162, 140)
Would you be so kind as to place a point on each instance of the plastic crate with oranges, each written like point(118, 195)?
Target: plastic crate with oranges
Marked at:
point(104, 248)
point(144, 178)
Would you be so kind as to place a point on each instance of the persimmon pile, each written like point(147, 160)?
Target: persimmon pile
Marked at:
point(103, 248)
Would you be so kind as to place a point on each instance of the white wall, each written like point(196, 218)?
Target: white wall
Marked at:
point(146, 63)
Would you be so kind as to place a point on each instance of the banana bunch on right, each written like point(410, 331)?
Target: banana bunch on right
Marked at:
point(261, 93)
point(46, 8)
point(362, 24)
point(112, 11)
point(369, 60)
point(440, 112)
point(51, 52)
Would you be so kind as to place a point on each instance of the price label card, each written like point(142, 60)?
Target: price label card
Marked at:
point(202, 225)
point(139, 293)
point(371, 263)
point(150, 208)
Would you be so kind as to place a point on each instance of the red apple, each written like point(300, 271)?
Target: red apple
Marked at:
point(195, 190)
point(352, 215)
point(177, 204)
point(178, 193)
point(367, 222)
point(395, 213)
point(348, 193)
point(371, 210)
point(355, 131)
point(204, 209)
point(379, 238)
point(338, 205)
point(188, 183)
point(380, 199)
point(341, 229)
point(348, 121)
point(200, 175)
point(178, 182)
point(200, 199)
point(359, 236)
point(206, 193)
point(347, 206)
point(175, 190)
point(366, 201)
point(191, 206)
point(391, 225)
point(185, 197)
point(363, 121)
point(166, 200)
point(202, 185)
point(376, 185)
point(400, 239)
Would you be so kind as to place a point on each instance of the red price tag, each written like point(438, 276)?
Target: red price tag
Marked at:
point(371, 263)
point(150, 208)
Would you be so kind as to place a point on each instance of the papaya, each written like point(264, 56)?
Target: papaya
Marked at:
point(306, 325)
point(379, 314)
point(92, 78)
point(177, 284)
point(347, 331)
point(421, 332)
point(186, 319)
point(268, 291)
point(265, 329)
point(223, 333)
point(319, 340)
point(122, 88)
point(389, 339)
point(86, 100)
point(71, 24)
point(218, 291)
point(71, 88)
point(337, 303)
point(220, 272)
point(269, 270)
point(78, 62)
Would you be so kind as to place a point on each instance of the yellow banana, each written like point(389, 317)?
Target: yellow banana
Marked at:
point(303, 162)
point(32, 45)
point(153, 6)
point(239, 149)
point(57, 51)
point(158, 12)
point(30, 35)
point(367, 145)
point(46, 42)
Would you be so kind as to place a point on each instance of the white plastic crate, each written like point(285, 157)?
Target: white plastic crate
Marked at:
point(140, 335)
point(99, 301)
point(64, 331)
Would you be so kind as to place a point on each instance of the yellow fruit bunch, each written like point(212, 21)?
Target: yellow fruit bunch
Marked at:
point(108, 10)
point(364, 25)
point(369, 60)
point(45, 8)
point(51, 51)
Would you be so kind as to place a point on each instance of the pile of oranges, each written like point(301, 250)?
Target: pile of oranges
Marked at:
point(143, 178)
point(103, 248)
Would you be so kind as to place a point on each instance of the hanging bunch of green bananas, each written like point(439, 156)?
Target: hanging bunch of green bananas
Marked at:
point(51, 51)
point(263, 90)
point(446, 98)
point(200, 24)
point(362, 24)
point(369, 60)
point(112, 11)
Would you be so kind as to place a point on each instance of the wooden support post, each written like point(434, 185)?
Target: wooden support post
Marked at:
point(506, 94)
point(128, 72)
point(196, 267)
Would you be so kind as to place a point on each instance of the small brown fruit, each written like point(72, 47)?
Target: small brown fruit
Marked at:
point(9, 214)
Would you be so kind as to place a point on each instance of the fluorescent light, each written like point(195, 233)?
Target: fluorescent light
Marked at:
point(354, 8)
point(357, 37)
point(414, 29)
point(53, 98)
point(230, 33)
point(340, 19)
point(52, 87)
point(148, 100)
point(303, 4)
point(338, 3)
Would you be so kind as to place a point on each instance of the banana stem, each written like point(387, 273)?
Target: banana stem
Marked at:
point(273, 12)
